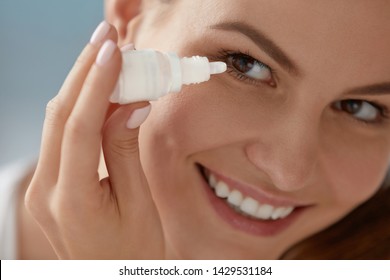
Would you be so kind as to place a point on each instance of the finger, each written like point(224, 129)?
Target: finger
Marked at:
point(121, 153)
point(59, 108)
point(82, 136)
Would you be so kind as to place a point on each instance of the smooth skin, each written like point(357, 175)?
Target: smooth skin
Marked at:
point(289, 140)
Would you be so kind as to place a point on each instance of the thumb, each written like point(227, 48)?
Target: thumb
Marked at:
point(121, 152)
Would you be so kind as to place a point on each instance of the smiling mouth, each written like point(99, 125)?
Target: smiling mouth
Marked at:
point(256, 214)
point(247, 205)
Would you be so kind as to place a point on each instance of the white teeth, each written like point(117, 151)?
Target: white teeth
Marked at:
point(264, 212)
point(287, 211)
point(212, 181)
point(247, 205)
point(222, 190)
point(277, 213)
point(235, 198)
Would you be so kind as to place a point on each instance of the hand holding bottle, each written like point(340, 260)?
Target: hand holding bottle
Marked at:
point(82, 216)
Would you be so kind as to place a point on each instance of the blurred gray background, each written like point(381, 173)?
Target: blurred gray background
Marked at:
point(39, 42)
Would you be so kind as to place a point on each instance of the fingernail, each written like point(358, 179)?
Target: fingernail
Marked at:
point(138, 117)
point(105, 53)
point(100, 32)
point(128, 47)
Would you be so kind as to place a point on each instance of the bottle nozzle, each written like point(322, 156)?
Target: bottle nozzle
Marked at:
point(197, 69)
point(217, 67)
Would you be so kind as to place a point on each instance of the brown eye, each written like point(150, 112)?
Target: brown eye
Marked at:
point(250, 67)
point(359, 109)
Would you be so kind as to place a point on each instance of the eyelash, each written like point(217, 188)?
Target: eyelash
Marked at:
point(384, 114)
point(225, 55)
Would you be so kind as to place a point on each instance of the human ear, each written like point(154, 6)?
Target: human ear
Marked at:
point(120, 12)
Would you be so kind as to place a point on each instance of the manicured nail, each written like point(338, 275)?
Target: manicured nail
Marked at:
point(100, 32)
point(138, 117)
point(128, 47)
point(105, 53)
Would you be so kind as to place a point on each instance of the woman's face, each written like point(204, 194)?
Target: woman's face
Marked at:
point(297, 124)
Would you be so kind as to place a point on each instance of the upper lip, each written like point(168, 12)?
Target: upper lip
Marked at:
point(257, 192)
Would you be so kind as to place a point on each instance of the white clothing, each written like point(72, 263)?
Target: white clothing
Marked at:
point(10, 177)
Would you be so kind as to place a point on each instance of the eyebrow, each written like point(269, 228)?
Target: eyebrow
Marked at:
point(262, 41)
point(274, 51)
point(375, 89)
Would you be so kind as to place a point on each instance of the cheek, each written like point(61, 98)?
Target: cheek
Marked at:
point(199, 118)
point(354, 165)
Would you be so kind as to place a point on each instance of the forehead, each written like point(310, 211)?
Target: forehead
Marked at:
point(299, 17)
point(337, 34)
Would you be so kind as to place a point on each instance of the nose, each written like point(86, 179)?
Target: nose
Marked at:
point(288, 153)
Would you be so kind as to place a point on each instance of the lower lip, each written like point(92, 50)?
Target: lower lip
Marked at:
point(247, 224)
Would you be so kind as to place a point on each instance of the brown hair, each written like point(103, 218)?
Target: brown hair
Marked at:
point(363, 234)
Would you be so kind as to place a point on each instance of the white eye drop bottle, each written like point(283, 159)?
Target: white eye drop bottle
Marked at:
point(148, 74)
